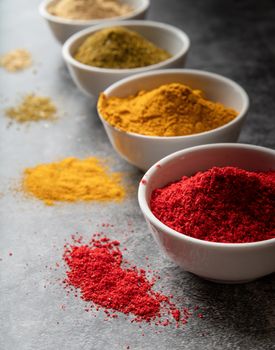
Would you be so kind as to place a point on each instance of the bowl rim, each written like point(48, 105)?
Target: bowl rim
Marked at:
point(135, 22)
point(145, 208)
point(180, 71)
point(143, 7)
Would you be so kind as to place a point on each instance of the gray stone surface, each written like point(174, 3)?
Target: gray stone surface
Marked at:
point(234, 38)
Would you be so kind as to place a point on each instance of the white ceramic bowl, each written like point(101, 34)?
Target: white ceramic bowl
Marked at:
point(220, 262)
point(143, 151)
point(93, 80)
point(63, 28)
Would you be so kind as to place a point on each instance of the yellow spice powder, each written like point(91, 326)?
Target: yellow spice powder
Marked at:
point(16, 60)
point(170, 110)
point(32, 108)
point(72, 180)
point(89, 9)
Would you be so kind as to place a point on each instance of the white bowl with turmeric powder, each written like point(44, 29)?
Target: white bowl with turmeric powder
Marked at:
point(151, 115)
point(66, 17)
point(108, 51)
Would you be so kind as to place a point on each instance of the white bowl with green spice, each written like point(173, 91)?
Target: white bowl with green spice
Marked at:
point(62, 28)
point(92, 79)
point(215, 261)
point(144, 150)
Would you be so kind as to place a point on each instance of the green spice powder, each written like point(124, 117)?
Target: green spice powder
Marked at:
point(119, 47)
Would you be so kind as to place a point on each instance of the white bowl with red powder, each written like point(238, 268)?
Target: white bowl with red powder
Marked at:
point(142, 150)
point(219, 262)
point(63, 28)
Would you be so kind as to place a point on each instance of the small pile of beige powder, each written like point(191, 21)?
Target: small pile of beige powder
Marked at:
point(33, 108)
point(88, 9)
point(16, 60)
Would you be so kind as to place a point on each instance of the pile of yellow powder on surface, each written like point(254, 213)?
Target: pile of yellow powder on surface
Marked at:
point(119, 47)
point(16, 60)
point(72, 180)
point(169, 110)
point(88, 9)
point(32, 108)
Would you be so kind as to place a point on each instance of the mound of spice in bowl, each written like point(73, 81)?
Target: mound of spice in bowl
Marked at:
point(222, 204)
point(172, 109)
point(119, 48)
point(88, 9)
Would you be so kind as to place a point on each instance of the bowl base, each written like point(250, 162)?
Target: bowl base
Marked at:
point(226, 281)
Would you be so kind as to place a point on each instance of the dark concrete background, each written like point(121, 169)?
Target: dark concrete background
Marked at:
point(233, 38)
point(236, 39)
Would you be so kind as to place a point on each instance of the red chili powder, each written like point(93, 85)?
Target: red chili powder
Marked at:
point(228, 205)
point(98, 270)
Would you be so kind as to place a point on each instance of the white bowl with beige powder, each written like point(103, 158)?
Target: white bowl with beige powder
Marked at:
point(65, 19)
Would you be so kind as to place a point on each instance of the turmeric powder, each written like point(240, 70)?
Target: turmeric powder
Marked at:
point(72, 180)
point(170, 110)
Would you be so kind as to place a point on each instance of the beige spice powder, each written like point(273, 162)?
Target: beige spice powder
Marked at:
point(88, 9)
point(16, 60)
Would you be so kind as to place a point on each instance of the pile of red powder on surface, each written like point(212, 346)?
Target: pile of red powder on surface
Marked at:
point(227, 205)
point(104, 278)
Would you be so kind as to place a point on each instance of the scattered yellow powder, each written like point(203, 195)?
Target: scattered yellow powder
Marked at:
point(33, 108)
point(88, 9)
point(16, 60)
point(170, 110)
point(72, 180)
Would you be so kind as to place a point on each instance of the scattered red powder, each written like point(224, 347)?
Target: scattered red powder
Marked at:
point(144, 182)
point(228, 205)
point(99, 271)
